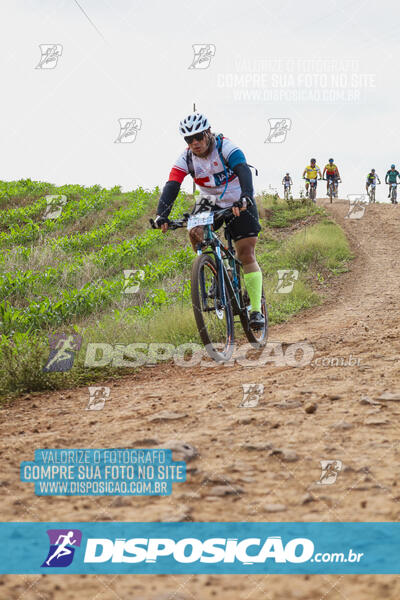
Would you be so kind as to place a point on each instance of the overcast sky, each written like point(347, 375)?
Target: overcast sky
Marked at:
point(329, 69)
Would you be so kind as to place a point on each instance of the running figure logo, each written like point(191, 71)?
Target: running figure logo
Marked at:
point(203, 54)
point(50, 53)
point(61, 551)
point(278, 129)
point(330, 470)
point(62, 352)
point(128, 129)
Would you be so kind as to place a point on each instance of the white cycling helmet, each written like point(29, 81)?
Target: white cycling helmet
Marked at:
point(193, 123)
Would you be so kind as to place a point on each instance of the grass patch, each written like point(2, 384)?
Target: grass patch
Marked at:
point(324, 245)
point(161, 312)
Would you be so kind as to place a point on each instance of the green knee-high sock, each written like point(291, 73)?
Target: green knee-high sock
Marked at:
point(253, 283)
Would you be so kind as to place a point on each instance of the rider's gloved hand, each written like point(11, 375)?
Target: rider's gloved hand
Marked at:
point(161, 223)
point(242, 204)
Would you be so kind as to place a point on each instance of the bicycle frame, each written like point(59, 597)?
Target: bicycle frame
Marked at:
point(221, 252)
point(313, 186)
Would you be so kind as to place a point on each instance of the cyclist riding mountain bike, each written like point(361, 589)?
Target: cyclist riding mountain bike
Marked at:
point(391, 177)
point(332, 174)
point(287, 183)
point(287, 180)
point(311, 172)
point(220, 170)
point(372, 178)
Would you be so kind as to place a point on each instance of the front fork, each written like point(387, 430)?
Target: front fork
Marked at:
point(220, 280)
point(220, 269)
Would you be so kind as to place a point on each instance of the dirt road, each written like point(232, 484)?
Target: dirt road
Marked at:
point(254, 464)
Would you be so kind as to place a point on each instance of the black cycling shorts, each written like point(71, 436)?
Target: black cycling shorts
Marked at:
point(246, 225)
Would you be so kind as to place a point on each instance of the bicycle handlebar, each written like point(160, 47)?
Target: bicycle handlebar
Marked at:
point(171, 224)
point(177, 223)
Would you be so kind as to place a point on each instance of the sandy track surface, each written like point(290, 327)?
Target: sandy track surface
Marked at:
point(254, 464)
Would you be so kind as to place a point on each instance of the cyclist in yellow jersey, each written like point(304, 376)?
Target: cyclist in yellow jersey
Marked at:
point(311, 172)
point(332, 172)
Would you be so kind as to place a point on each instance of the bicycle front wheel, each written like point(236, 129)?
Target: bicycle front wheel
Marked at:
point(214, 321)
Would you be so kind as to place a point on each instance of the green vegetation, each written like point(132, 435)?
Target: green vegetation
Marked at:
point(66, 275)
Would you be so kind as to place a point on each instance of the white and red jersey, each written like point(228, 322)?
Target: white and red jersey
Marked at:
point(210, 174)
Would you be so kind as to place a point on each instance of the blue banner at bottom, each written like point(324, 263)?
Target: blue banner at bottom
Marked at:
point(209, 548)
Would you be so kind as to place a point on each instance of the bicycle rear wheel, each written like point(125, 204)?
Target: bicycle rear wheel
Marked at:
point(372, 195)
point(258, 337)
point(214, 322)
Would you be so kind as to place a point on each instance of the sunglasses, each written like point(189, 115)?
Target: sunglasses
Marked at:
point(197, 136)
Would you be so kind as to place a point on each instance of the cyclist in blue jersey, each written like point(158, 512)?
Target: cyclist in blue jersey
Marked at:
point(220, 170)
point(391, 177)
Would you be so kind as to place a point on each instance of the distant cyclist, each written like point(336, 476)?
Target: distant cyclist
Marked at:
point(220, 170)
point(311, 172)
point(332, 174)
point(372, 178)
point(287, 183)
point(287, 180)
point(391, 177)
